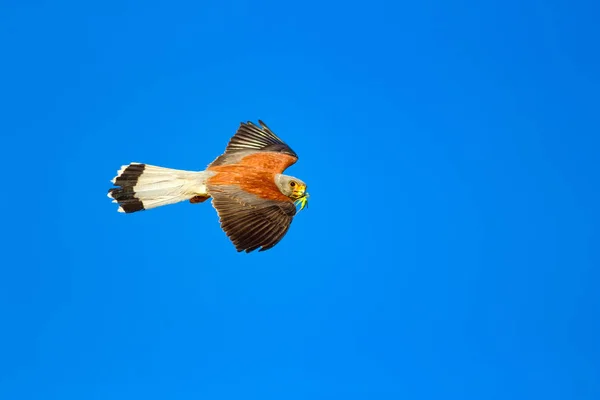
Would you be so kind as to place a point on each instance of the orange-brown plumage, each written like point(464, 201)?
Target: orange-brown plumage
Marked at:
point(273, 162)
point(254, 173)
point(260, 182)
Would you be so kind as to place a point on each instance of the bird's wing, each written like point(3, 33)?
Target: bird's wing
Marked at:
point(251, 221)
point(256, 146)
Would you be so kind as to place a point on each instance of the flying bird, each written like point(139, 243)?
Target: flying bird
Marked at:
point(254, 200)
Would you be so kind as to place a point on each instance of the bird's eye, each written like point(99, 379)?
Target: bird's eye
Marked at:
point(292, 183)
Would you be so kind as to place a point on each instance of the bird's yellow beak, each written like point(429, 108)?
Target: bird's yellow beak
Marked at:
point(302, 201)
point(299, 192)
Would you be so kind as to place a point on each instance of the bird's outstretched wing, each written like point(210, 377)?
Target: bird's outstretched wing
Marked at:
point(250, 221)
point(256, 146)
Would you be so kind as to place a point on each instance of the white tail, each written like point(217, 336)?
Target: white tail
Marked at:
point(143, 186)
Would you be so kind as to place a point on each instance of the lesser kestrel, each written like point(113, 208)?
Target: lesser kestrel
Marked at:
point(254, 200)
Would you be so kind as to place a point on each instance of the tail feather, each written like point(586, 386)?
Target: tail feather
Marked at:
point(142, 186)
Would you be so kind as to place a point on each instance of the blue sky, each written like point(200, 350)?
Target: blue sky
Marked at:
point(449, 250)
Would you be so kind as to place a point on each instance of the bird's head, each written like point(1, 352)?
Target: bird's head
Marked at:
point(293, 188)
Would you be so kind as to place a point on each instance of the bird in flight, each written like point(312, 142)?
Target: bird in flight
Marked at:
point(254, 200)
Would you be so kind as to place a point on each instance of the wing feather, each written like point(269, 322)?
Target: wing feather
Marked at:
point(254, 145)
point(251, 222)
point(252, 137)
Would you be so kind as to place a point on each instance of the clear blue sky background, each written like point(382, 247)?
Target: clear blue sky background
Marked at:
point(450, 250)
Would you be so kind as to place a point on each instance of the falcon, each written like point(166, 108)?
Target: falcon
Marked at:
point(254, 200)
